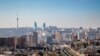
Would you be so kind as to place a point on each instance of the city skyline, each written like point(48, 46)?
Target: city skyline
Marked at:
point(61, 13)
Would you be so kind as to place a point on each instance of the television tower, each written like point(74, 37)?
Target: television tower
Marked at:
point(17, 20)
point(15, 40)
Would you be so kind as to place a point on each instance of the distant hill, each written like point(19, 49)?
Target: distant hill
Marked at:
point(11, 32)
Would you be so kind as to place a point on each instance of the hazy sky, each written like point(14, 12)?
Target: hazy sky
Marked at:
point(61, 13)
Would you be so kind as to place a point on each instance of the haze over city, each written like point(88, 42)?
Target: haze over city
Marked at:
point(49, 27)
point(61, 13)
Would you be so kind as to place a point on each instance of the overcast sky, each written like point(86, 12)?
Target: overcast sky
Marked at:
point(61, 13)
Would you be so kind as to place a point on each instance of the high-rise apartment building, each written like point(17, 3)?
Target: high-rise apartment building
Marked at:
point(58, 36)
